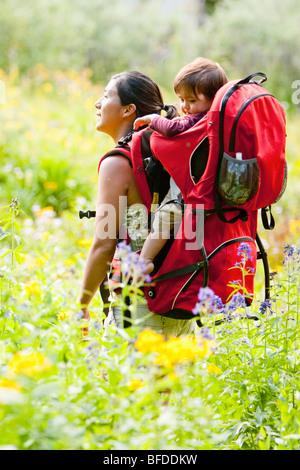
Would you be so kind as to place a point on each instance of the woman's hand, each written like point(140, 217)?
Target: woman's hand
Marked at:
point(85, 314)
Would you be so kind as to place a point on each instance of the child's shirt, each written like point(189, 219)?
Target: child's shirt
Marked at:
point(171, 127)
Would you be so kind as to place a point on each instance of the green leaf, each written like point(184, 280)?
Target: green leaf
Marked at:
point(243, 392)
point(4, 235)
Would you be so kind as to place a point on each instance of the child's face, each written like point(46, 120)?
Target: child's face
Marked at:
point(192, 104)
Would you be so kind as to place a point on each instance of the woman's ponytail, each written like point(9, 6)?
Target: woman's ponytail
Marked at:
point(171, 111)
point(135, 87)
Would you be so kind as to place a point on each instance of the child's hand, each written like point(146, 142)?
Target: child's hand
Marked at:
point(141, 121)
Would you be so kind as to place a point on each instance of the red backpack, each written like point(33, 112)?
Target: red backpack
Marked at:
point(228, 166)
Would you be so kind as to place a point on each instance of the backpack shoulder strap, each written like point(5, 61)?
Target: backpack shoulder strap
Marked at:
point(119, 150)
point(125, 151)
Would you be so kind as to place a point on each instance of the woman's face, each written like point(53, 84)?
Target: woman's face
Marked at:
point(109, 110)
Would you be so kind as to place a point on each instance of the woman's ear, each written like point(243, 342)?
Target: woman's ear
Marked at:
point(130, 109)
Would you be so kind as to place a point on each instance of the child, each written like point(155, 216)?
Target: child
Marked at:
point(196, 85)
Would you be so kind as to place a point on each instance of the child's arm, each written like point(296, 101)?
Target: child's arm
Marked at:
point(167, 127)
point(143, 120)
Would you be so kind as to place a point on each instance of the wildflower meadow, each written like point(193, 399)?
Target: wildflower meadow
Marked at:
point(66, 384)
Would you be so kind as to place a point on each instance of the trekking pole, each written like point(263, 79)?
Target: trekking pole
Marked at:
point(262, 254)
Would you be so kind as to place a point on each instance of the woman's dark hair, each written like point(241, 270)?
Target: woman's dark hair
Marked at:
point(136, 88)
point(200, 76)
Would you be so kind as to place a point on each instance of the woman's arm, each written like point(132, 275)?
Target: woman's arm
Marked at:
point(115, 176)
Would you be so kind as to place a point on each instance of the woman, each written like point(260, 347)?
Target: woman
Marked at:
point(127, 96)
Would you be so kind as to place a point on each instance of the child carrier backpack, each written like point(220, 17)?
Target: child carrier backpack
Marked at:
point(228, 166)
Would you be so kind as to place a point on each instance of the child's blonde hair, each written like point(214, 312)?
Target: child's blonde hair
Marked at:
point(200, 76)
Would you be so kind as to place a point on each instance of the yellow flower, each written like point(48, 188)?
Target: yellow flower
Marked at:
point(85, 242)
point(149, 341)
point(213, 369)
point(179, 350)
point(33, 289)
point(174, 350)
point(10, 393)
point(29, 363)
point(7, 383)
point(50, 185)
point(22, 257)
point(294, 225)
point(172, 376)
point(42, 260)
point(63, 315)
point(69, 262)
point(135, 384)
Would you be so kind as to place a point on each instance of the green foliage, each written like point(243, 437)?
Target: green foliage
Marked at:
point(60, 390)
point(256, 36)
point(105, 36)
point(44, 145)
point(155, 37)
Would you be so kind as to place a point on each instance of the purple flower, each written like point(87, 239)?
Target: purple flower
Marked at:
point(245, 251)
point(264, 306)
point(206, 333)
point(131, 264)
point(208, 302)
point(289, 250)
point(205, 293)
point(217, 303)
point(237, 301)
point(97, 325)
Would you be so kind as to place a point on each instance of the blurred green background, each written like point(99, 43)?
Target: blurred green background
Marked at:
point(155, 36)
point(57, 56)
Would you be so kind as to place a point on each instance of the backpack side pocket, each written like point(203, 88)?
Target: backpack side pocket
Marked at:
point(238, 180)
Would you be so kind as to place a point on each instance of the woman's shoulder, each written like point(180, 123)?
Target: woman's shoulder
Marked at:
point(124, 154)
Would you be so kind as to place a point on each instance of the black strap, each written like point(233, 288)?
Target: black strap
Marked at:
point(242, 213)
point(124, 140)
point(249, 78)
point(262, 254)
point(180, 271)
point(200, 264)
point(268, 222)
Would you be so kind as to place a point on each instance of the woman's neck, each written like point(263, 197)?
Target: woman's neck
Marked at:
point(122, 132)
